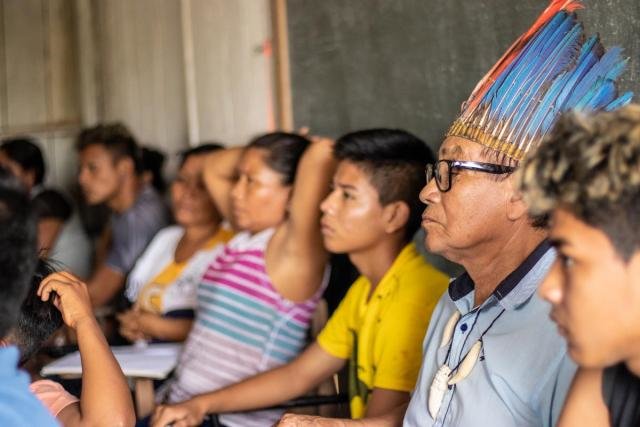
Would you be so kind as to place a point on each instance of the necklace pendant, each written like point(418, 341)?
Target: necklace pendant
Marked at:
point(438, 389)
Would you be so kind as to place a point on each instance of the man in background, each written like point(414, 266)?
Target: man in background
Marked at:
point(110, 173)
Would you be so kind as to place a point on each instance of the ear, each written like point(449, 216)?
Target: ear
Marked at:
point(633, 270)
point(125, 166)
point(516, 207)
point(395, 216)
point(30, 177)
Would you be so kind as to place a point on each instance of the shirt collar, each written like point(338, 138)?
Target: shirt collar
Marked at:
point(408, 253)
point(519, 285)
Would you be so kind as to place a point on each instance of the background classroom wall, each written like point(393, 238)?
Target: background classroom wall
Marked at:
point(183, 71)
point(411, 63)
point(177, 72)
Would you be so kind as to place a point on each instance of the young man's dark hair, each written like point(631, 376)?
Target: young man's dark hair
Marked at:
point(50, 204)
point(152, 164)
point(26, 153)
point(116, 138)
point(395, 160)
point(37, 319)
point(17, 249)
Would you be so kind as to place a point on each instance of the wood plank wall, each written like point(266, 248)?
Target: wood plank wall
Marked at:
point(69, 63)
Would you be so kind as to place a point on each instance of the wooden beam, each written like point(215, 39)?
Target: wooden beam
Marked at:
point(86, 46)
point(193, 123)
point(284, 111)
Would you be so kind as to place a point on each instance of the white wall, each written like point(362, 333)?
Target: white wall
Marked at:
point(68, 63)
point(38, 79)
point(144, 69)
point(140, 69)
point(232, 69)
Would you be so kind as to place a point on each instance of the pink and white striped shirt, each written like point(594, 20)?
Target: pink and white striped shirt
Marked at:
point(243, 327)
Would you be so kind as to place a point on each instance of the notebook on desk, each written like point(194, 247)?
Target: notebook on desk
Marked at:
point(154, 361)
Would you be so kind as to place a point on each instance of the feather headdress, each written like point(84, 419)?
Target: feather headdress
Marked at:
point(550, 69)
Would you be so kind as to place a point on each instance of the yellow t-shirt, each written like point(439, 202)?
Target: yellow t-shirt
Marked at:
point(382, 335)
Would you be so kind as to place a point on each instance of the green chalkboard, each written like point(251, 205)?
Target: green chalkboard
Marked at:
point(410, 63)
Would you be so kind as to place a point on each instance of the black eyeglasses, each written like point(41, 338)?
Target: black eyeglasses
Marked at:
point(444, 169)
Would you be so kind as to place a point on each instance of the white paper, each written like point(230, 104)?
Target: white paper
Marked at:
point(153, 361)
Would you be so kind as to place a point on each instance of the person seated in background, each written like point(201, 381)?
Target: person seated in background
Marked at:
point(18, 248)
point(371, 214)
point(110, 172)
point(152, 165)
point(60, 234)
point(54, 297)
point(162, 285)
point(257, 298)
point(587, 177)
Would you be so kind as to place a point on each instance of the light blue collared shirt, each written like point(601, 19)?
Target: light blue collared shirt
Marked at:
point(18, 407)
point(523, 373)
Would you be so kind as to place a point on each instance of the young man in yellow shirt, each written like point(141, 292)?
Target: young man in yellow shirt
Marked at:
point(371, 214)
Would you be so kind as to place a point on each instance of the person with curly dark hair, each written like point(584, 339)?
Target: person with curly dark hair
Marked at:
point(586, 175)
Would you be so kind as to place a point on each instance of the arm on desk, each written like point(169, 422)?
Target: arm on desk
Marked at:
point(136, 324)
point(391, 419)
point(105, 399)
point(263, 390)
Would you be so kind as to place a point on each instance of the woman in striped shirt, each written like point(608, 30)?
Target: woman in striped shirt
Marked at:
point(256, 299)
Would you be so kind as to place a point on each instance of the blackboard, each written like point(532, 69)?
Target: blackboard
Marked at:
point(410, 63)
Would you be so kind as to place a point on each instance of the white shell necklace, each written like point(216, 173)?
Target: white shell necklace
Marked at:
point(444, 378)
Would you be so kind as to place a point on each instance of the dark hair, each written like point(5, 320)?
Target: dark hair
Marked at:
point(115, 138)
point(395, 161)
point(153, 162)
point(204, 148)
point(284, 151)
point(10, 181)
point(51, 204)
point(17, 248)
point(26, 153)
point(590, 166)
point(37, 319)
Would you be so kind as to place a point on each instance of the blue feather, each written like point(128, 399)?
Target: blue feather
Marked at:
point(620, 102)
point(557, 70)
